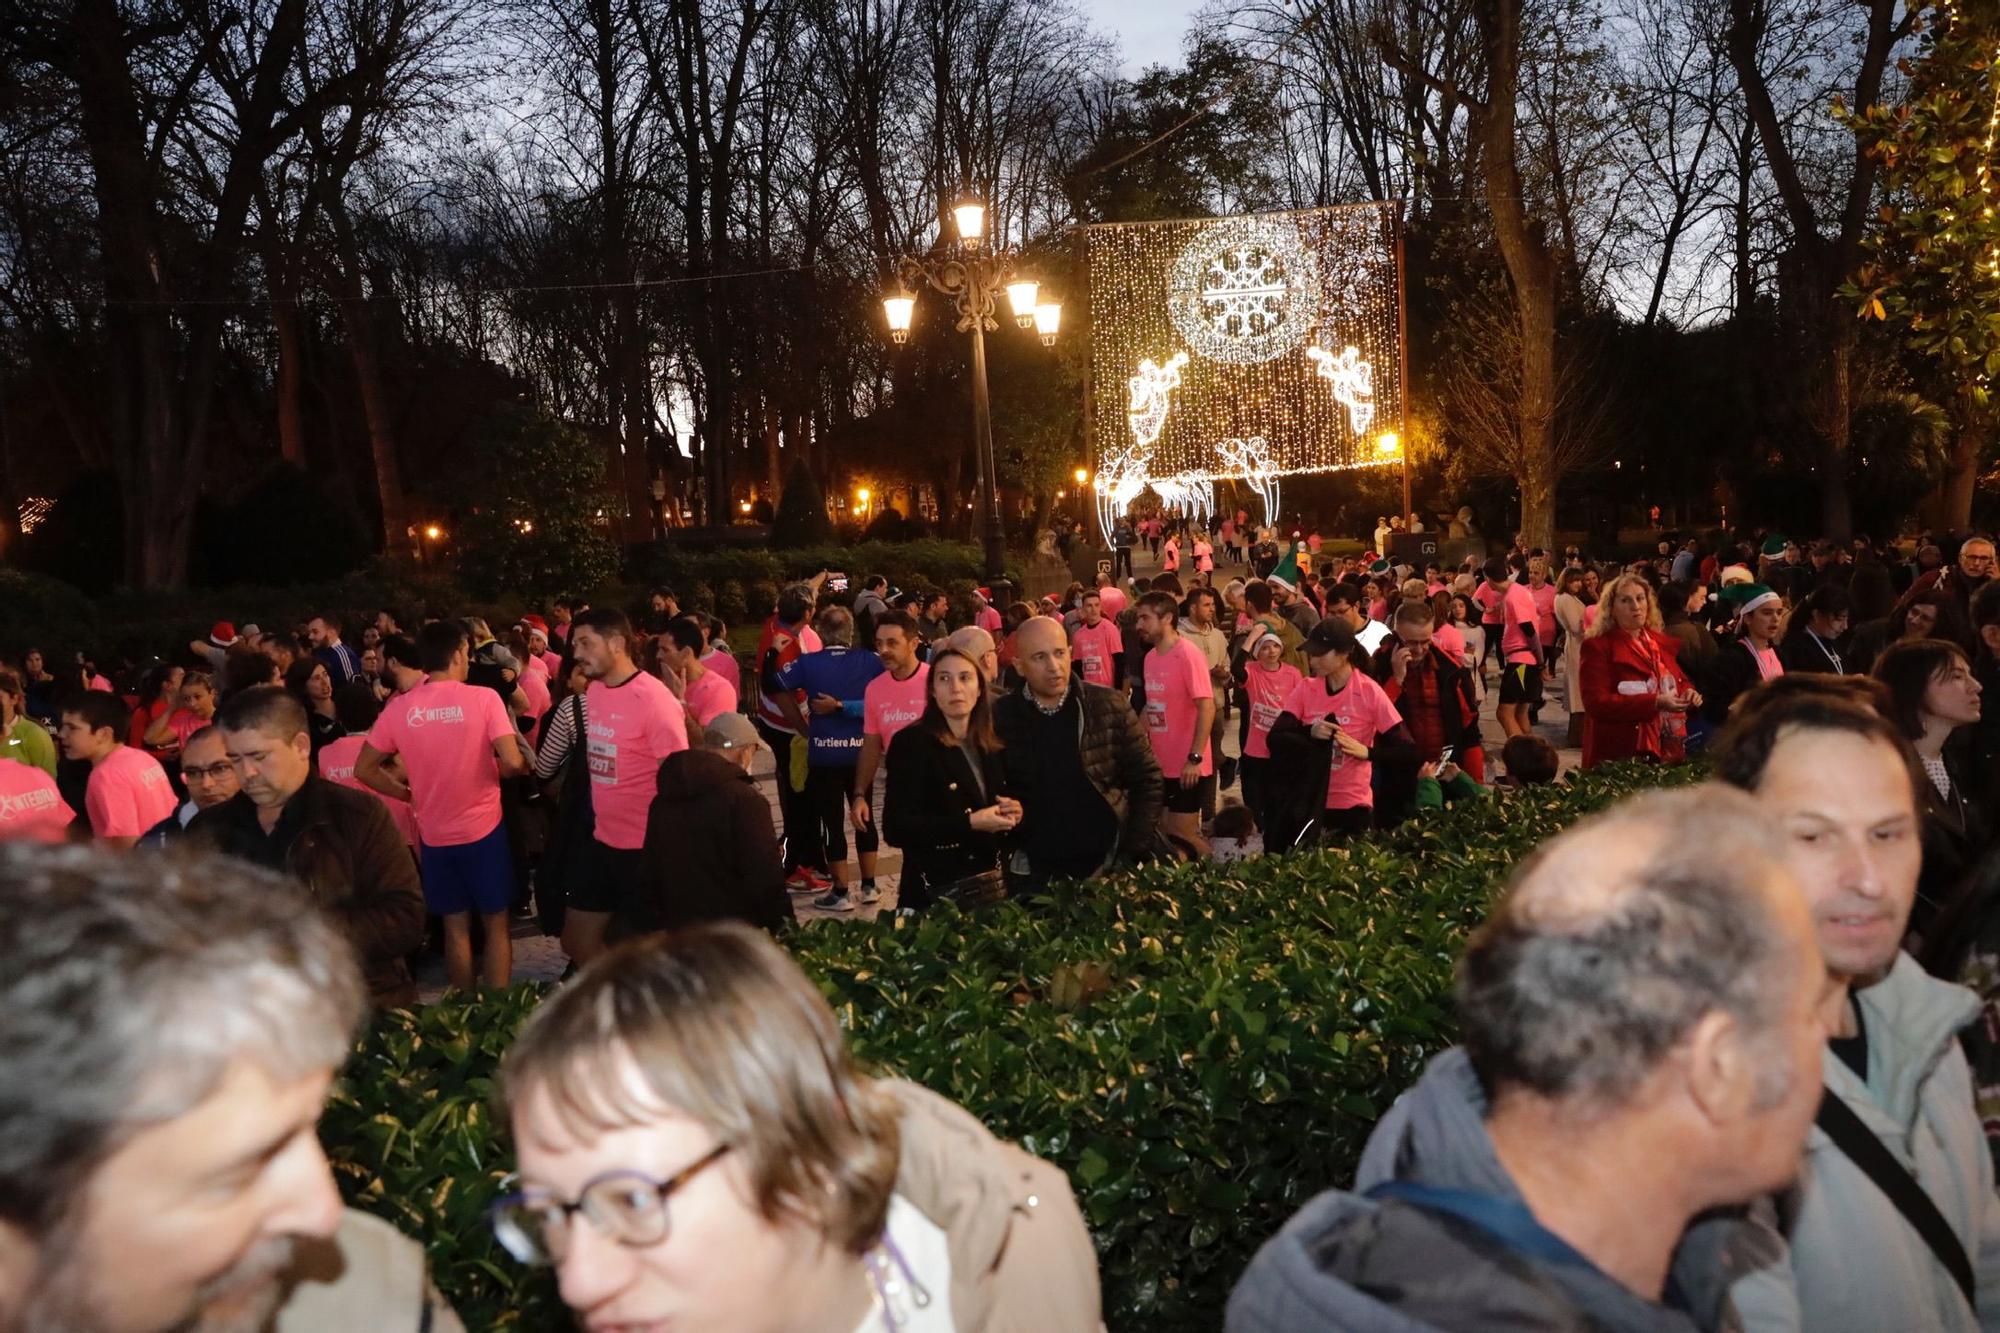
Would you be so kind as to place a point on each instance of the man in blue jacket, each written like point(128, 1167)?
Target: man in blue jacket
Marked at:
point(833, 680)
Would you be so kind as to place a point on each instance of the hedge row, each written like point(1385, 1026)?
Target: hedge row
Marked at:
point(1202, 1048)
point(738, 585)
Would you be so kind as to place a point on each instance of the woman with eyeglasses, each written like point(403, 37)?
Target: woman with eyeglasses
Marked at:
point(699, 1151)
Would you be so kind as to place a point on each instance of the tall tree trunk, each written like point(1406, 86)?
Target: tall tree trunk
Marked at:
point(1530, 265)
point(359, 316)
point(290, 378)
point(1975, 431)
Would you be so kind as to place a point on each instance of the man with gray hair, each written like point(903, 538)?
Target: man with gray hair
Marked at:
point(833, 682)
point(170, 1027)
point(1642, 1045)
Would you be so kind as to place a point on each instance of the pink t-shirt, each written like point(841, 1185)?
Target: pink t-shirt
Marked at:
point(888, 705)
point(1204, 556)
point(31, 807)
point(1113, 600)
point(1268, 691)
point(1517, 608)
point(1091, 647)
point(445, 730)
point(723, 663)
point(1488, 598)
point(709, 698)
point(633, 727)
point(534, 683)
point(336, 765)
point(1176, 685)
point(551, 663)
point(129, 793)
point(1450, 640)
point(185, 724)
point(988, 619)
point(1363, 712)
point(1545, 611)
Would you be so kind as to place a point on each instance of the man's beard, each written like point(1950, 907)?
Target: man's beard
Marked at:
point(241, 1299)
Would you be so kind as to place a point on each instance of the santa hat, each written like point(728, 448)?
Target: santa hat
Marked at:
point(1747, 597)
point(1735, 574)
point(222, 634)
point(537, 624)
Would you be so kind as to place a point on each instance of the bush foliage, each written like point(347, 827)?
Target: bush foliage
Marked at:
point(1200, 1047)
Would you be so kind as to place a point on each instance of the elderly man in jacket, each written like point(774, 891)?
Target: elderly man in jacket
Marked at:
point(1642, 1045)
point(339, 842)
point(1898, 1120)
point(1079, 762)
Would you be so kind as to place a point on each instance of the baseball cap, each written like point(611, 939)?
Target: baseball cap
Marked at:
point(730, 731)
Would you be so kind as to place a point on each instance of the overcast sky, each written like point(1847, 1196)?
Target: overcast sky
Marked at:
point(1149, 31)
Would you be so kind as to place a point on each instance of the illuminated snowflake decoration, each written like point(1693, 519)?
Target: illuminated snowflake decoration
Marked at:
point(1242, 290)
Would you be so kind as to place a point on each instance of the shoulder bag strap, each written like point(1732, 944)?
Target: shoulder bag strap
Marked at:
point(1866, 1151)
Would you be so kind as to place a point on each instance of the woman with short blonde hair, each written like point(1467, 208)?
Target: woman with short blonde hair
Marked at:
point(695, 1141)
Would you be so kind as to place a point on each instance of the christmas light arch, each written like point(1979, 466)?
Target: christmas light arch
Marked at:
point(1241, 349)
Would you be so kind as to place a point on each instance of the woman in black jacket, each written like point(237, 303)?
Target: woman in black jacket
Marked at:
point(943, 806)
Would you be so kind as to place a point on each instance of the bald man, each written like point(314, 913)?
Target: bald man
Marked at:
point(1079, 761)
point(1642, 1046)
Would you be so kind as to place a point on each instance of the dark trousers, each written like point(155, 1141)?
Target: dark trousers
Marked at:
point(827, 790)
point(1256, 776)
point(1121, 561)
point(802, 843)
point(1334, 827)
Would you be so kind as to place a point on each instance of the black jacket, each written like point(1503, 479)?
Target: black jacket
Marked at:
point(710, 853)
point(1117, 757)
point(345, 849)
point(1801, 651)
point(1732, 674)
point(1302, 766)
point(932, 792)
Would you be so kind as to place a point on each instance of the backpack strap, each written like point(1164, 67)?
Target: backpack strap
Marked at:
point(1868, 1152)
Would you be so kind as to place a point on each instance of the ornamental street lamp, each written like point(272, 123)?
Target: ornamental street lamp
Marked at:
point(972, 276)
point(1391, 444)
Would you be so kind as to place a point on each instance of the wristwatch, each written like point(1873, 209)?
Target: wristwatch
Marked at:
point(1195, 758)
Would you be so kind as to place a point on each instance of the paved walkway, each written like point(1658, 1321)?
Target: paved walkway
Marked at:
point(537, 958)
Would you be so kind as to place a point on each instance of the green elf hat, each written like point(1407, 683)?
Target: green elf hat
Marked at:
point(1743, 598)
point(1287, 572)
point(1379, 568)
point(1775, 544)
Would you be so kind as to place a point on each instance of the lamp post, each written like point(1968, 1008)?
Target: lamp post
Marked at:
point(972, 276)
point(1389, 442)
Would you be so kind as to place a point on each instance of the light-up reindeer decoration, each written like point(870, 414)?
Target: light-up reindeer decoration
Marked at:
point(1122, 476)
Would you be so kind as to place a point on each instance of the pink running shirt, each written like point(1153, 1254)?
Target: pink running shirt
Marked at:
point(1113, 600)
point(988, 619)
point(30, 805)
point(1091, 648)
point(1363, 712)
point(1268, 691)
point(888, 705)
point(632, 727)
point(1517, 608)
point(709, 698)
point(723, 663)
point(1176, 685)
point(445, 730)
point(336, 765)
point(129, 793)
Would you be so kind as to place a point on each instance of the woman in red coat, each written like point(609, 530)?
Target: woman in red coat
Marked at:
point(1635, 695)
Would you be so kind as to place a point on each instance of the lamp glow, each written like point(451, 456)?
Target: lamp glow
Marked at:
point(862, 495)
point(434, 532)
point(1083, 476)
point(1388, 443)
point(970, 214)
point(1021, 296)
point(899, 310)
point(1048, 318)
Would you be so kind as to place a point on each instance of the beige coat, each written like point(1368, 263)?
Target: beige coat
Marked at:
point(368, 1275)
point(1569, 614)
point(1021, 1257)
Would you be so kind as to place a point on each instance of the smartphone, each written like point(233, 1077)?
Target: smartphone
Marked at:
point(836, 583)
point(1444, 755)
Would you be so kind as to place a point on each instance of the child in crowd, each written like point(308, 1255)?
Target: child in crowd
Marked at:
point(1233, 835)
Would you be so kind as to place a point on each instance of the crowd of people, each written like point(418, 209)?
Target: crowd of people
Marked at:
point(1768, 1010)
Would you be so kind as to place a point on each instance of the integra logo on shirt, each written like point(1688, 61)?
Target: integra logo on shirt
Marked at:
point(420, 716)
point(26, 803)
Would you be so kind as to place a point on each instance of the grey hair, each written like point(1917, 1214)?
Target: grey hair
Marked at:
point(836, 625)
point(1595, 965)
point(128, 984)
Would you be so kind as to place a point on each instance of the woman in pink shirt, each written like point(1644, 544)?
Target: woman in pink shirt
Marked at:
point(1332, 729)
point(1267, 682)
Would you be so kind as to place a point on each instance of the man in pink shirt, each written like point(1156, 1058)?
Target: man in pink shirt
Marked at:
point(706, 693)
point(30, 805)
point(358, 710)
point(1180, 714)
point(129, 792)
point(890, 702)
point(1111, 595)
point(1096, 646)
point(983, 614)
point(1520, 648)
point(457, 742)
point(633, 723)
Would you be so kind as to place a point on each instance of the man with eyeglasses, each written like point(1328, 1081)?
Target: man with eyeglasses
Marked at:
point(210, 780)
point(1973, 571)
point(172, 1028)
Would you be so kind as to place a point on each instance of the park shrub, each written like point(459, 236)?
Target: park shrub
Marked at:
point(1201, 1048)
point(907, 565)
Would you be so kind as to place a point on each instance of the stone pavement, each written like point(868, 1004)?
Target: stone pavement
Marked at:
point(537, 958)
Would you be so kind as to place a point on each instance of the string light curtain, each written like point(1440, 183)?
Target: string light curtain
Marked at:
point(1245, 348)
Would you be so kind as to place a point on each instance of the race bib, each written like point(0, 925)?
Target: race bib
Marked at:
point(1262, 715)
point(1156, 714)
point(603, 761)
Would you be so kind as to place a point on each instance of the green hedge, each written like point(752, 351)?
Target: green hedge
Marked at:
point(1202, 1048)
